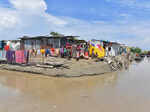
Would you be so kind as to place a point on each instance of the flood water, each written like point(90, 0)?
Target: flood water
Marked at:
point(128, 91)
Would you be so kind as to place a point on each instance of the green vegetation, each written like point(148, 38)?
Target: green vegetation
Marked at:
point(56, 34)
point(136, 50)
point(145, 52)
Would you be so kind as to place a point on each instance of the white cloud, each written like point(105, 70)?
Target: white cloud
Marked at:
point(27, 17)
point(32, 5)
point(8, 19)
point(54, 20)
point(34, 8)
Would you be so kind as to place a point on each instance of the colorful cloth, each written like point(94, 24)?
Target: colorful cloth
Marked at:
point(62, 50)
point(86, 55)
point(65, 50)
point(82, 52)
point(42, 51)
point(20, 57)
point(10, 55)
point(7, 48)
point(52, 52)
point(57, 52)
point(47, 52)
point(38, 52)
point(78, 54)
point(78, 48)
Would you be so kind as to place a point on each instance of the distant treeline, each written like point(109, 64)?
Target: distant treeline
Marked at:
point(139, 51)
point(136, 50)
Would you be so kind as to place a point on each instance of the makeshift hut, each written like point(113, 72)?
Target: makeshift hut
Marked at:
point(112, 48)
point(96, 48)
point(46, 41)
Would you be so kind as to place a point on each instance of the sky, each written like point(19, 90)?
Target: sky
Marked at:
point(124, 21)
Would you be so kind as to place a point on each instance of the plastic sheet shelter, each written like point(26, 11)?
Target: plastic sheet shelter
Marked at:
point(96, 47)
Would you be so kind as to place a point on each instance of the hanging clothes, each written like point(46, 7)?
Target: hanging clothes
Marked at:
point(52, 52)
point(65, 52)
point(86, 54)
point(69, 50)
point(7, 48)
point(20, 57)
point(82, 51)
point(78, 52)
point(57, 51)
point(38, 52)
point(62, 52)
point(10, 56)
point(47, 52)
point(33, 52)
point(42, 51)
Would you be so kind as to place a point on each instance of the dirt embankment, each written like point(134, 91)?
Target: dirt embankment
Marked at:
point(63, 68)
point(58, 67)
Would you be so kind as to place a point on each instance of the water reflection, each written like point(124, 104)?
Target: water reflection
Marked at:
point(125, 91)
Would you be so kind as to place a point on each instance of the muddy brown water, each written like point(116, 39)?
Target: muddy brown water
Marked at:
point(127, 91)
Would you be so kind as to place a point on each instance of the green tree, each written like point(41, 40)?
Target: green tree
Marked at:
point(145, 52)
point(56, 34)
point(136, 50)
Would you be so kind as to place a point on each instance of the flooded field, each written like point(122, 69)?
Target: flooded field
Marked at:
point(127, 91)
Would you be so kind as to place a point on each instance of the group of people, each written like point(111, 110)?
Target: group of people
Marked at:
point(68, 51)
